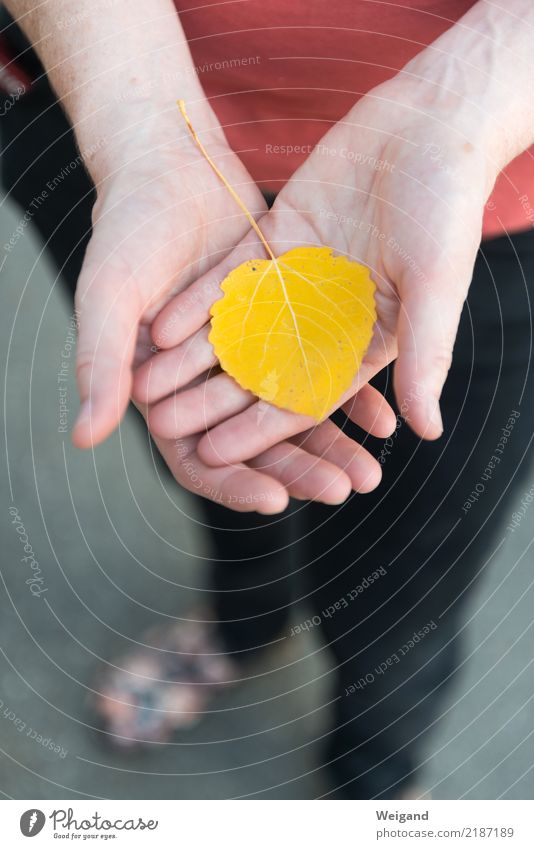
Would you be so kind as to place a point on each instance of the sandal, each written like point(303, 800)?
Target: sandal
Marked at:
point(163, 686)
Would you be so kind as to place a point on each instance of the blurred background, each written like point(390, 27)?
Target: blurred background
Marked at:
point(119, 549)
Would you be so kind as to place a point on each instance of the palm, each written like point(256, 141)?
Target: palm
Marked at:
point(158, 224)
point(392, 205)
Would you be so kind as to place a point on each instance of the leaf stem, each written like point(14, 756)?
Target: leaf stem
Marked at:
point(220, 175)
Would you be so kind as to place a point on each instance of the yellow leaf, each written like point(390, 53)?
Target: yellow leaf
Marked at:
point(294, 330)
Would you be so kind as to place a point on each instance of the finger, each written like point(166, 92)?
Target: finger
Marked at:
point(370, 411)
point(220, 398)
point(261, 426)
point(168, 371)
point(330, 443)
point(430, 310)
point(427, 327)
point(250, 433)
point(237, 487)
point(190, 310)
point(304, 475)
point(109, 316)
point(197, 409)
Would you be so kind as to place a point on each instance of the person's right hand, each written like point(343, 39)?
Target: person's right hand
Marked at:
point(161, 219)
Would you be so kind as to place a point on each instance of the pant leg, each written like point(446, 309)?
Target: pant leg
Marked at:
point(430, 528)
point(252, 576)
point(251, 559)
point(37, 145)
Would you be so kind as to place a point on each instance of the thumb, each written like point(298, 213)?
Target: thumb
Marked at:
point(427, 325)
point(108, 317)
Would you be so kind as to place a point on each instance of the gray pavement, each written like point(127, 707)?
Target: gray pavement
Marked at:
point(118, 549)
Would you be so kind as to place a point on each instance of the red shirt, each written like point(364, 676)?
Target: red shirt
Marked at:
point(281, 72)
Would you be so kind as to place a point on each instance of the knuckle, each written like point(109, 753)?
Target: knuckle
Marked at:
point(442, 360)
point(84, 363)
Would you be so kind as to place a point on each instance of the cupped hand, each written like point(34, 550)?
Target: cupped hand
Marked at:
point(161, 220)
point(400, 185)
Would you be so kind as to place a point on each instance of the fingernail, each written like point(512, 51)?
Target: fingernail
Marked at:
point(434, 413)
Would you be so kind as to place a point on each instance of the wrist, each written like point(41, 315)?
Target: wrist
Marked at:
point(117, 75)
point(477, 77)
point(119, 136)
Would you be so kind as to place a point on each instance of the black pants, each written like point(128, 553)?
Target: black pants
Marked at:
point(384, 578)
